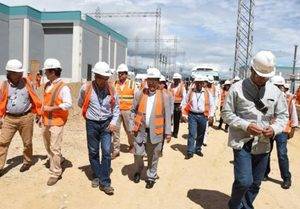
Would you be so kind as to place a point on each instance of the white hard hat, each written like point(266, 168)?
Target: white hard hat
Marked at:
point(210, 79)
point(153, 73)
point(162, 78)
point(51, 63)
point(122, 68)
point(102, 68)
point(236, 78)
point(177, 76)
point(14, 65)
point(287, 86)
point(263, 64)
point(200, 78)
point(227, 82)
point(278, 80)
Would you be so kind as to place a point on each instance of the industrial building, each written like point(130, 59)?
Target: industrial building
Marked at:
point(78, 41)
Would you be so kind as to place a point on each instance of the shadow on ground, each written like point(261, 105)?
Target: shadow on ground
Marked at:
point(15, 161)
point(208, 199)
point(179, 147)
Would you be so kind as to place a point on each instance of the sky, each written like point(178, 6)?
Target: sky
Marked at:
point(205, 29)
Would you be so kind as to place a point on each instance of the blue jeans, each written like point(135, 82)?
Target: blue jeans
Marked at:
point(249, 171)
point(97, 134)
point(283, 160)
point(197, 126)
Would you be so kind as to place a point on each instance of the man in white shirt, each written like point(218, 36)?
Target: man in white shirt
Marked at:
point(57, 102)
point(151, 117)
point(197, 109)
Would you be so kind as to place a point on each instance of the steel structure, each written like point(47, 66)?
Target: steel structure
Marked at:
point(157, 14)
point(244, 37)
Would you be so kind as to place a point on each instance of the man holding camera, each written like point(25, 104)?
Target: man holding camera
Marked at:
point(256, 111)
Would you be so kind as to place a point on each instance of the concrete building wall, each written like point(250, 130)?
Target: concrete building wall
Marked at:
point(36, 42)
point(58, 44)
point(105, 49)
point(16, 39)
point(4, 42)
point(112, 48)
point(90, 50)
point(121, 54)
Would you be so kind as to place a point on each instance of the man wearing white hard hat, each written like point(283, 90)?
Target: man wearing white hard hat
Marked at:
point(18, 104)
point(178, 91)
point(197, 109)
point(236, 79)
point(125, 89)
point(282, 138)
point(256, 111)
point(223, 95)
point(151, 124)
point(100, 108)
point(211, 87)
point(56, 105)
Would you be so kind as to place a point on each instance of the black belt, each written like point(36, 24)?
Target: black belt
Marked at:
point(197, 113)
point(19, 114)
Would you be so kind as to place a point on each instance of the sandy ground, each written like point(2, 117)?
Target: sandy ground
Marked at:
point(195, 183)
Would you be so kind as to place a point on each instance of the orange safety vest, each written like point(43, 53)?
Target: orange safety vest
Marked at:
point(159, 112)
point(298, 95)
point(288, 127)
point(57, 117)
point(178, 95)
point(36, 103)
point(187, 108)
point(88, 94)
point(126, 95)
point(223, 97)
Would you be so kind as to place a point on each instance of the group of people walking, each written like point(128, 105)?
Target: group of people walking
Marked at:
point(256, 114)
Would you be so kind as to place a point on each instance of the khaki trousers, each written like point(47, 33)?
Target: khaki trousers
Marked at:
point(11, 124)
point(125, 118)
point(52, 136)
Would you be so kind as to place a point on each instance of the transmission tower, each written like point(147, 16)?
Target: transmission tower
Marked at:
point(244, 37)
point(157, 14)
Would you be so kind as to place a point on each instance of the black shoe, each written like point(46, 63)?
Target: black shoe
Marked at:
point(25, 167)
point(149, 184)
point(205, 145)
point(175, 136)
point(188, 156)
point(226, 130)
point(199, 153)
point(1, 172)
point(286, 184)
point(136, 178)
point(219, 127)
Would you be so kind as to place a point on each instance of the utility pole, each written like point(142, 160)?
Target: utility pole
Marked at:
point(244, 37)
point(294, 67)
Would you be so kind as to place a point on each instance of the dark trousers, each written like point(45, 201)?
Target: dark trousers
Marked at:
point(197, 127)
point(283, 160)
point(249, 171)
point(177, 116)
point(97, 134)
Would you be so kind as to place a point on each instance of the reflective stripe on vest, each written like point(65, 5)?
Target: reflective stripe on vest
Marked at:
point(187, 108)
point(35, 101)
point(88, 94)
point(57, 117)
point(126, 95)
point(159, 113)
